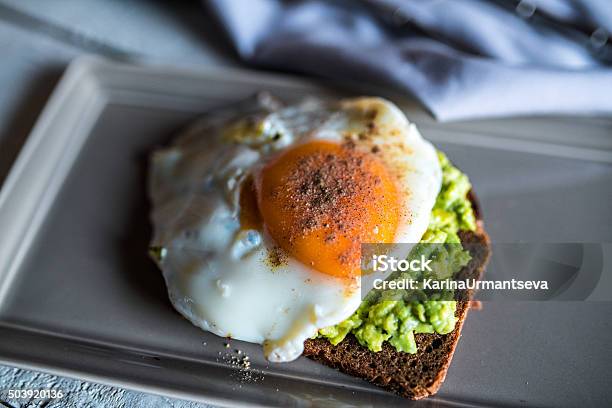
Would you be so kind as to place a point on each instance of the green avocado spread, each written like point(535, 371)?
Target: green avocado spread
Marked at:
point(394, 315)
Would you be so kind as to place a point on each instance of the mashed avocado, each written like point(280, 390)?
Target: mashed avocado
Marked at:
point(392, 315)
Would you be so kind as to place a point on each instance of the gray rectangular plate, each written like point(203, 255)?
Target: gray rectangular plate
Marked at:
point(79, 296)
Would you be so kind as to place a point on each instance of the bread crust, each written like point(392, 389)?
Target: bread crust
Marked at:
point(413, 376)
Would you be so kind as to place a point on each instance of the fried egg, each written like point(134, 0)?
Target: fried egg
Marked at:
point(258, 221)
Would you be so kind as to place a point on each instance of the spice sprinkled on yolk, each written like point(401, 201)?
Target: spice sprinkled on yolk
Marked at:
point(321, 200)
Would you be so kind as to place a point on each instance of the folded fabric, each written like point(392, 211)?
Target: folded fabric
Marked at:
point(461, 58)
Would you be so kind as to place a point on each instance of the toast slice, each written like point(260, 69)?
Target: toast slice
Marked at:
point(413, 376)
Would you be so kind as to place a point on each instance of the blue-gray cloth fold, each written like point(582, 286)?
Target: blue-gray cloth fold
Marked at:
point(461, 58)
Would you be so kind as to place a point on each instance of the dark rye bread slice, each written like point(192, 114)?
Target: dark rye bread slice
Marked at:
point(413, 376)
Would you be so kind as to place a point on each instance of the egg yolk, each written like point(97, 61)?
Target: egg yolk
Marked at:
point(321, 200)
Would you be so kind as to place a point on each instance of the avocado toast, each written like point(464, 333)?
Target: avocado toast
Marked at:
point(291, 194)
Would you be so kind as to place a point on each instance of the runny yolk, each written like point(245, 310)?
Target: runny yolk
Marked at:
point(321, 200)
